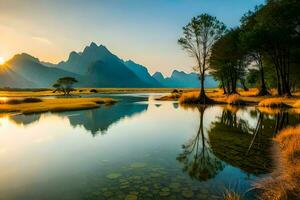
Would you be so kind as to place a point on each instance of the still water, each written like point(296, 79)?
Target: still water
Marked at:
point(138, 148)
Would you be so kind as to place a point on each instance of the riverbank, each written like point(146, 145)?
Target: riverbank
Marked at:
point(244, 98)
point(44, 92)
point(284, 182)
point(35, 105)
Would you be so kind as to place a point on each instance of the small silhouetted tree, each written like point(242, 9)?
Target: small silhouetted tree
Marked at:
point(65, 84)
point(198, 37)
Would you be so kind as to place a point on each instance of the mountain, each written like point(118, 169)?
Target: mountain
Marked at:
point(95, 66)
point(9, 78)
point(33, 73)
point(102, 68)
point(181, 79)
point(142, 72)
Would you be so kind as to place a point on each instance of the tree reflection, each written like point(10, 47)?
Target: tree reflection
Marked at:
point(197, 157)
point(237, 143)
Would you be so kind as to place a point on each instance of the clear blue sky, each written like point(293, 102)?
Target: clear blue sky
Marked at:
point(145, 31)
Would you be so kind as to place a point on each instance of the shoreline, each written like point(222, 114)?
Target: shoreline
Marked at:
point(55, 105)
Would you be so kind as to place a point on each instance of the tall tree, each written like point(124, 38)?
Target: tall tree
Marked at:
point(277, 24)
point(251, 42)
point(227, 61)
point(199, 35)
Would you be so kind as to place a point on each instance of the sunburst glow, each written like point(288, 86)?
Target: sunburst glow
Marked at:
point(2, 60)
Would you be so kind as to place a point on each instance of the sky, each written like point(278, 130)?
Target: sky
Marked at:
point(145, 31)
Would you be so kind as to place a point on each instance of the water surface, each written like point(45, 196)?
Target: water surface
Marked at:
point(138, 147)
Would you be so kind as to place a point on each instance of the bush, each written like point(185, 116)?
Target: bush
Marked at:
point(32, 100)
point(26, 100)
point(175, 91)
point(93, 91)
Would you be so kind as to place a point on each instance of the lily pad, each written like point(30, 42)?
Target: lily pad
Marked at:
point(138, 165)
point(131, 197)
point(113, 175)
point(164, 194)
point(187, 194)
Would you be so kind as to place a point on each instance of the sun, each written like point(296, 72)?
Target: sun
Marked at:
point(2, 61)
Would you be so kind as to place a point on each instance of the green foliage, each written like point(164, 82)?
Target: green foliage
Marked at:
point(227, 62)
point(198, 37)
point(64, 85)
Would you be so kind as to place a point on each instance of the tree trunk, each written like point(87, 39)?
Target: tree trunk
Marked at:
point(203, 99)
point(223, 85)
point(263, 91)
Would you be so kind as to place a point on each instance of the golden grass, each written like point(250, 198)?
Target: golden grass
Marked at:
point(285, 180)
point(79, 91)
point(297, 104)
point(232, 196)
point(273, 103)
point(56, 105)
point(235, 99)
point(171, 97)
point(189, 98)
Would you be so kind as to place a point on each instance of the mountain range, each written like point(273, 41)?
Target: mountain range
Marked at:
point(95, 66)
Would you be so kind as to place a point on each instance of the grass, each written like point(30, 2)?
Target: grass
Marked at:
point(229, 195)
point(25, 100)
point(297, 104)
point(236, 100)
point(285, 180)
point(189, 98)
point(245, 98)
point(29, 106)
point(273, 103)
point(6, 92)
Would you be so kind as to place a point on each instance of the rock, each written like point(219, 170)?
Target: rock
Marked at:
point(113, 175)
point(187, 194)
point(131, 197)
point(138, 165)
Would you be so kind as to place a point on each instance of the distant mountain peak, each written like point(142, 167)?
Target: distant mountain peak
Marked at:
point(93, 44)
point(25, 56)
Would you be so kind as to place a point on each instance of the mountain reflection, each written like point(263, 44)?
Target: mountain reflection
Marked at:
point(95, 120)
point(99, 120)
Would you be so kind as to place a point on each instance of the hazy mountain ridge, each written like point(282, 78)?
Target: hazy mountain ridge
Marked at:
point(183, 80)
point(95, 66)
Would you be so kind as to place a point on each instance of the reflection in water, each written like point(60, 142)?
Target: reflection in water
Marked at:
point(96, 120)
point(99, 120)
point(197, 157)
point(236, 142)
point(222, 146)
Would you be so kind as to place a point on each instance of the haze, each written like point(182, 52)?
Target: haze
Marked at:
point(145, 31)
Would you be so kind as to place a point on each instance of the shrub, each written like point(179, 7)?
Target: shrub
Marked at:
point(14, 101)
point(26, 100)
point(93, 91)
point(175, 91)
point(31, 100)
